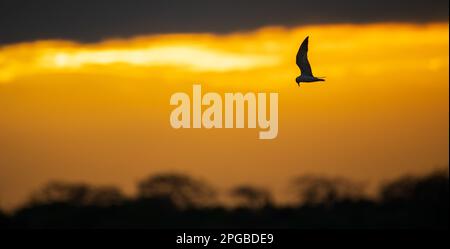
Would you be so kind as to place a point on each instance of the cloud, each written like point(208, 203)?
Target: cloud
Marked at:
point(250, 54)
point(95, 20)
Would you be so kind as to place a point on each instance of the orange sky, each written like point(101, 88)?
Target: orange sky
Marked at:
point(99, 113)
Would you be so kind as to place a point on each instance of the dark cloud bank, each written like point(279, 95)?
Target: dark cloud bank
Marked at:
point(25, 20)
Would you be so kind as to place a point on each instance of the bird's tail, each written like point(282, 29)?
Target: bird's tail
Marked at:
point(321, 78)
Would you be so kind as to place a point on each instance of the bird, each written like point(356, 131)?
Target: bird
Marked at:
point(302, 62)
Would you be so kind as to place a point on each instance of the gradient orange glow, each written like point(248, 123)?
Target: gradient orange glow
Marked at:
point(99, 112)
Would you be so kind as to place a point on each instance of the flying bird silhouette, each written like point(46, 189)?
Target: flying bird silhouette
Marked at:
point(303, 63)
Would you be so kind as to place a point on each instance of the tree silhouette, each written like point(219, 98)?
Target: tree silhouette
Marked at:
point(313, 190)
point(430, 188)
point(252, 197)
point(184, 191)
point(76, 194)
point(417, 201)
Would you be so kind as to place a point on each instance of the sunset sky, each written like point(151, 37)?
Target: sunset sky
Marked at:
point(87, 106)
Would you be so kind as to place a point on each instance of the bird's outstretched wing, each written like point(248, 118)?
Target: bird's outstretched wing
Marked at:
point(302, 58)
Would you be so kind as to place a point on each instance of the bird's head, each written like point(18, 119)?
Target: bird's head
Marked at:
point(297, 80)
